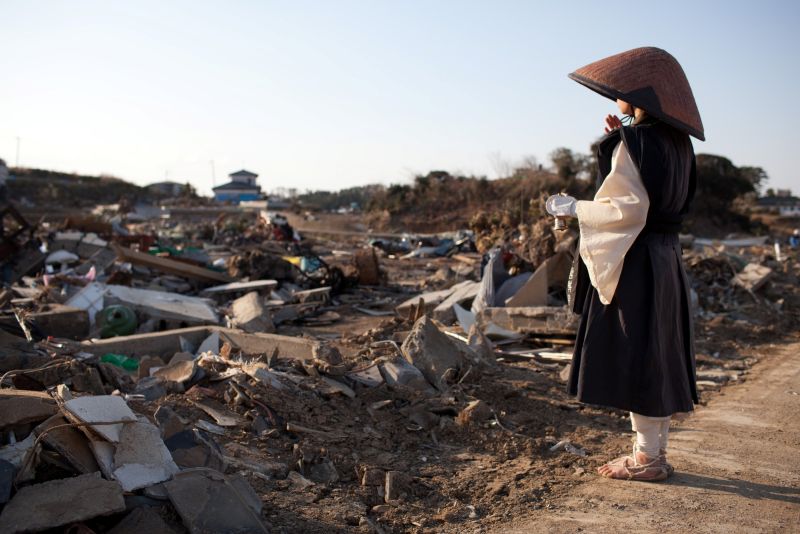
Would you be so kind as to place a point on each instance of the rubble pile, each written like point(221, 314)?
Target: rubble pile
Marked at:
point(206, 375)
point(746, 283)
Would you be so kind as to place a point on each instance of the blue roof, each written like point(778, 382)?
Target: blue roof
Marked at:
point(236, 185)
point(243, 173)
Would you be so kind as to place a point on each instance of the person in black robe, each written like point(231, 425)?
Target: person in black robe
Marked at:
point(634, 348)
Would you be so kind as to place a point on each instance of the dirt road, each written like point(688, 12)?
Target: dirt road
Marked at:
point(737, 462)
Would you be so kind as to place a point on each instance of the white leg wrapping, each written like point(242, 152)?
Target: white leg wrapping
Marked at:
point(650, 433)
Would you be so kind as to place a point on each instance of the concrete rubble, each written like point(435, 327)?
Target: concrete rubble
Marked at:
point(61, 502)
point(261, 380)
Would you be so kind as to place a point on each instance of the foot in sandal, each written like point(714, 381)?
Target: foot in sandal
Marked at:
point(637, 467)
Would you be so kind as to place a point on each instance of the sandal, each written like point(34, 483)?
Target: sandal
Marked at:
point(639, 467)
point(662, 455)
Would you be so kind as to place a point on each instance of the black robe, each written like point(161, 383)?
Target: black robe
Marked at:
point(637, 352)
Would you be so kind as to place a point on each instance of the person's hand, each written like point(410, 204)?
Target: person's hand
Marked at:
point(612, 123)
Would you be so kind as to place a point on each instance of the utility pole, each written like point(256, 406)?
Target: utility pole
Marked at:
point(17, 162)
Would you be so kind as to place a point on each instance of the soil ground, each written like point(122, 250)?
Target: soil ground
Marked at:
point(736, 461)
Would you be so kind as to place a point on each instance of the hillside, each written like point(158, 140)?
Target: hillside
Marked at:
point(440, 201)
point(39, 187)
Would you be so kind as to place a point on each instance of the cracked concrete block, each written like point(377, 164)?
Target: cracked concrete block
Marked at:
point(20, 407)
point(177, 371)
point(208, 502)
point(69, 442)
point(250, 314)
point(61, 502)
point(101, 409)
point(141, 458)
point(401, 373)
point(440, 358)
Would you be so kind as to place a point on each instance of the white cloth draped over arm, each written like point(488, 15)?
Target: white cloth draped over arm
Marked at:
point(611, 222)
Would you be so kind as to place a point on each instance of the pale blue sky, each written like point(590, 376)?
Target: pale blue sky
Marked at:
point(325, 95)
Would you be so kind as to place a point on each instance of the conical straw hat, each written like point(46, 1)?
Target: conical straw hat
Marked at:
point(648, 78)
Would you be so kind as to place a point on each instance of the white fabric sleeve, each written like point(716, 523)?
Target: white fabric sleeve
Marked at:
point(611, 222)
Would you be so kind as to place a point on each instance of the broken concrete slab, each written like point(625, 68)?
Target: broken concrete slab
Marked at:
point(166, 344)
point(89, 298)
point(468, 323)
point(210, 344)
point(465, 292)
point(531, 320)
point(509, 288)
point(554, 271)
point(141, 459)
point(184, 357)
point(21, 407)
point(370, 376)
point(208, 502)
point(260, 286)
point(100, 409)
point(400, 373)
point(431, 299)
point(440, 358)
point(61, 502)
point(104, 454)
point(752, 277)
point(221, 414)
point(193, 448)
point(338, 387)
point(69, 442)
point(250, 314)
point(247, 493)
point(534, 291)
point(162, 305)
point(180, 371)
point(141, 520)
point(480, 344)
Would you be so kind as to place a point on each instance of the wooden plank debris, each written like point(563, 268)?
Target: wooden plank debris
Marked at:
point(170, 266)
point(167, 343)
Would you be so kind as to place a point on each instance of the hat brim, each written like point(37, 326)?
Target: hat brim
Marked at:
point(614, 95)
